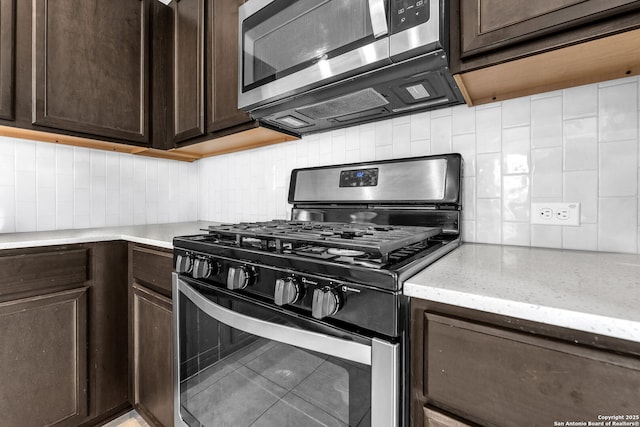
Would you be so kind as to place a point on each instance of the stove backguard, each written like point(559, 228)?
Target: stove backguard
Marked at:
point(432, 181)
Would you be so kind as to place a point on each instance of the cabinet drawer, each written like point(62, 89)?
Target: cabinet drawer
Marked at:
point(152, 268)
point(33, 271)
point(493, 376)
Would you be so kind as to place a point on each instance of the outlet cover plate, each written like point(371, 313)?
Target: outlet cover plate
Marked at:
point(565, 213)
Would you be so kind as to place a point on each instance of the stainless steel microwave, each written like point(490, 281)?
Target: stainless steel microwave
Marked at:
point(309, 65)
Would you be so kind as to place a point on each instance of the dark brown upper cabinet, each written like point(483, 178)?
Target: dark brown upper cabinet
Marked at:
point(222, 66)
point(7, 58)
point(90, 67)
point(505, 50)
point(488, 25)
point(188, 87)
point(205, 97)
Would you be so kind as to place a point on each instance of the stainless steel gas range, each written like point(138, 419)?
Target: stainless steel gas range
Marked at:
point(303, 322)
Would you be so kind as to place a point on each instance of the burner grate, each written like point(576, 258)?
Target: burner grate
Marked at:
point(361, 242)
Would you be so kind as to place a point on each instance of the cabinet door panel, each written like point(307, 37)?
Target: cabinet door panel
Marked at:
point(7, 55)
point(108, 326)
point(43, 372)
point(90, 63)
point(152, 355)
point(488, 25)
point(497, 377)
point(222, 63)
point(189, 69)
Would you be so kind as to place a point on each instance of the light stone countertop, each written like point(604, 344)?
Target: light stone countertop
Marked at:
point(595, 292)
point(160, 235)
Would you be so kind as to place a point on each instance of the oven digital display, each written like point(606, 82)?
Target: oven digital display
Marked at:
point(359, 178)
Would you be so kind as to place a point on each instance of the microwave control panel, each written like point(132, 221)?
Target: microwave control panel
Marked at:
point(408, 13)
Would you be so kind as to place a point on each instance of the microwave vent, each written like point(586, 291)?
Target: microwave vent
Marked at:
point(352, 103)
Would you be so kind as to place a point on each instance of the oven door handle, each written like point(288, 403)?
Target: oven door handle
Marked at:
point(301, 338)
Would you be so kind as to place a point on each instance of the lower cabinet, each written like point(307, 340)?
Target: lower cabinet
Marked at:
point(151, 343)
point(472, 368)
point(43, 359)
point(63, 359)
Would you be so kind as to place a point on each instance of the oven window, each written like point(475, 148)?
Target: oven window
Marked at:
point(231, 378)
point(288, 36)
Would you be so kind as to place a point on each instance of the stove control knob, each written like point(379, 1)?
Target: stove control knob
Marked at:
point(287, 291)
point(326, 302)
point(204, 268)
point(184, 264)
point(240, 277)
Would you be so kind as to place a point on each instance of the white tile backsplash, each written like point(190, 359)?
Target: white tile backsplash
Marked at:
point(466, 145)
point(580, 144)
point(546, 236)
point(46, 186)
point(546, 122)
point(580, 101)
point(576, 145)
point(441, 135)
point(558, 146)
point(516, 233)
point(516, 112)
point(515, 198)
point(489, 175)
point(618, 169)
point(618, 111)
point(488, 221)
point(489, 129)
point(582, 186)
point(616, 217)
point(516, 151)
point(584, 237)
point(464, 120)
point(546, 176)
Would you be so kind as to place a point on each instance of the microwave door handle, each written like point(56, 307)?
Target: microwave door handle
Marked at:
point(301, 338)
point(378, 18)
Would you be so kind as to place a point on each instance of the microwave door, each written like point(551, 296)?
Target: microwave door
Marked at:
point(288, 47)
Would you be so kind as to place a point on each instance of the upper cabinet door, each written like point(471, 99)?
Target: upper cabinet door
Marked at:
point(90, 67)
point(488, 25)
point(7, 55)
point(222, 66)
point(188, 96)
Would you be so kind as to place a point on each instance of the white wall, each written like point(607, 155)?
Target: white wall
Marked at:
point(578, 145)
point(46, 186)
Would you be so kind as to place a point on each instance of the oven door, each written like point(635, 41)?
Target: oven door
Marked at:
point(288, 46)
point(242, 363)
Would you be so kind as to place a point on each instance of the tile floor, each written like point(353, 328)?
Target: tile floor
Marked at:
point(285, 387)
point(130, 419)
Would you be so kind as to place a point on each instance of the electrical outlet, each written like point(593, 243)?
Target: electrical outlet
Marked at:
point(567, 213)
